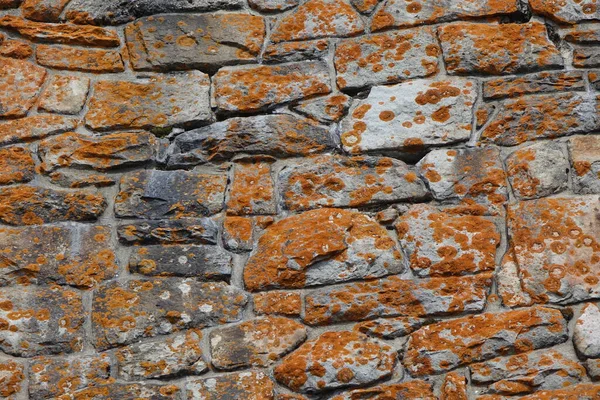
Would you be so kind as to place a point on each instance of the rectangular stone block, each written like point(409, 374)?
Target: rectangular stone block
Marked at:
point(77, 59)
point(585, 156)
point(541, 82)
point(180, 231)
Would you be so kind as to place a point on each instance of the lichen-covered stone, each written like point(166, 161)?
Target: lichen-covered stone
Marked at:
point(64, 94)
point(537, 171)
point(238, 233)
point(390, 328)
point(255, 87)
point(7, 4)
point(585, 156)
point(16, 165)
point(317, 19)
point(508, 282)
point(415, 389)
point(77, 255)
point(190, 41)
point(76, 59)
point(296, 51)
point(320, 247)
point(449, 344)
point(326, 109)
point(12, 378)
point(541, 82)
point(247, 385)
point(125, 391)
point(278, 303)
point(276, 135)
point(252, 190)
point(177, 354)
point(74, 179)
point(40, 321)
point(124, 312)
point(181, 231)
point(31, 205)
point(454, 387)
point(156, 194)
point(585, 335)
point(394, 296)
point(200, 261)
point(438, 243)
point(20, 84)
point(34, 127)
point(259, 342)
point(273, 5)
point(386, 58)
point(164, 101)
point(339, 181)
point(583, 391)
point(592, 365)
point(586, 57)
point(19, 49)
point(568, 12)
point(410, 116)
point(580, 34)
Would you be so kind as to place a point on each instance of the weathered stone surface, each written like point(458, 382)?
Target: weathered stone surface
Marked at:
point(278, 303)
point(43, 10)
point(394, 296)
point(180, 353)
point(537, 171)
point(399, 13)
point(11, 378)
point(74, 179)
point(296, 51)
point(365, 6)
point(20, 83)
point(51, 378)
point(446, 345)
point(258, 342)
point(592, 365)
point(248, 385)
point(199, 261)
point(61, 33)
point(124, 312)
point(569, 12)
point(390, 328)
point(508, 282)
point(277, 135)
point(320, 247)
point(40, 320)
point(4, 4)
point(33, 128)
point(126, 391)
point(585, 335)
point(339, 181)
point(190, 41)
point(555, 241)
point(336, 360)
point(273, 5)
point(410, 116)
point(585, 156)
point(386, 58)
point(31, 205)
point(16, 49)
point(252, 190)
point(542, 116)
point(471, 177)
point(326, 109)
point(415, 389)
point(255, 87)
point(238, 233)
point(580, 34)
point(156, 194)
point(527, 373)
point(454, 387)
point(64, 94)
point(164, 101)
point(586, 57)
point(181, 231)
point(115, 12)
point(16, 165)
point(541, 82)
point(439, 244)
point(76, 59)
point(498, 49)
point(316, 19)
point(77, 255)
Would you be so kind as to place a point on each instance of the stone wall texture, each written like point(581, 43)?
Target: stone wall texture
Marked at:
point(300, 199)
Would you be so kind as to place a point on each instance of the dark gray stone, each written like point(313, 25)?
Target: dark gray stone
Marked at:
point(188, 230)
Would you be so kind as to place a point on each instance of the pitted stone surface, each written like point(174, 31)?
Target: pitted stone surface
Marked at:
point(20, 84)
point(68, 58)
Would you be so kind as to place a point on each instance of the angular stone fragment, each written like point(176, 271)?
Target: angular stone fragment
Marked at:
point(508, 281)
point(454, 387)
point(339, 181)
point(51, 378)
point(164, 101)
point(581, 34)
point(124, 312)
point(273, 5)
point(390, 328)
point(555, 241)
point(31, 205)
point(446, 345)
point(11, 377)
point(296, 51)
point(410, 116)
point(585, 156)
point(33, 128)
point(126, 391)
point(569, 12)
point(74, 179)
point(76, 59)
point(156, 194)
point(61, 33)
point(386, 58)
point(542, 116)
point(527, 373)
point(586, 57)
point(16, 165)
point(278, 303)
point(180, 353)
point(541, 82)
point(40, 320)
point(537, 171)
point(43, 10)
point(276, 135)
point(194, 41)
point(65, 94)
point(470, 177)
point(326, 109)
point(16, 49)
point(258, 342)
point(394, 296)
point(181, 231)
point(498, 49)
point(248, 385)
point(238, 233)
point(20, 83)
point(316, 19)
point(400, 13)
point(585, 335)
point(336, 360)
point(592, 365)
point(252, 190)
point(365, 6)
point(320, 247)
point(255, 87)
point(415, 389)
point(77, 255)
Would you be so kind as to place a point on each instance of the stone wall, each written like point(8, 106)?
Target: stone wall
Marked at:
point(299, 199)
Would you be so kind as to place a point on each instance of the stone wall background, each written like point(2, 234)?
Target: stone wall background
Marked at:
point(286, 199)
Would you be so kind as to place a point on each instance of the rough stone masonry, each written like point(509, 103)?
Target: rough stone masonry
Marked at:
point(300, 199)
